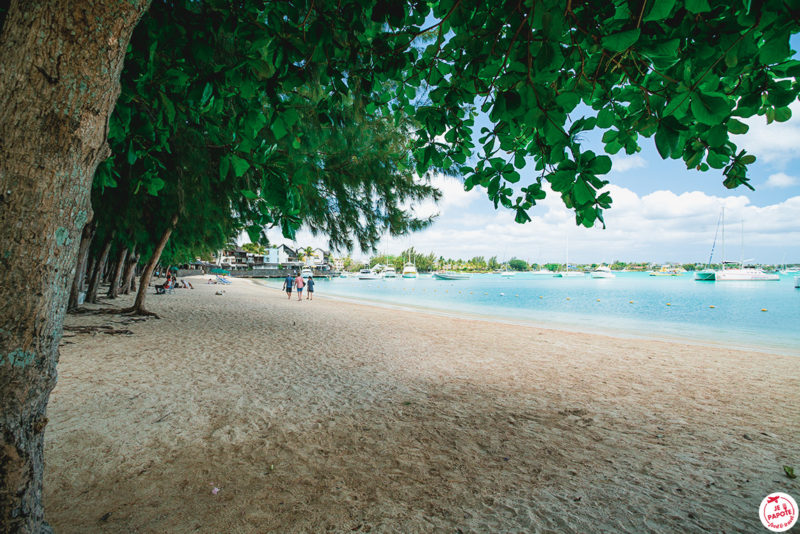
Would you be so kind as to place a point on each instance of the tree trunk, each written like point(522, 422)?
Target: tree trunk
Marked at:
point(80, 271)
point(97, 274)
point(60, 63)
point(144, 281)
point(130, 269)
point(136, 271)
point(113, 289)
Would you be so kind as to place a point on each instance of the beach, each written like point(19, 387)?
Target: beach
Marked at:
point(247, 412)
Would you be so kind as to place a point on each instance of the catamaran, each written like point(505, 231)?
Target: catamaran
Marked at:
point(742, 273)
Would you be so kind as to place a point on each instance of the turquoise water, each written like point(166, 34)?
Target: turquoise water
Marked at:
point(604, 305)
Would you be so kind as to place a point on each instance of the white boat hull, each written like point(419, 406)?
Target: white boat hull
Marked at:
point(603, 275)
point(745, 275)
point(450, 276)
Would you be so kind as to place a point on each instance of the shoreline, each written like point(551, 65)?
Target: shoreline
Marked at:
point(244, 412)
point(560, 326)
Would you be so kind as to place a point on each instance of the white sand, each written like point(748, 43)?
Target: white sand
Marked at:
point(331, 416)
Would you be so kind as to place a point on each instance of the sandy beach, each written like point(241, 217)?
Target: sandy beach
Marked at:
point(245, 412)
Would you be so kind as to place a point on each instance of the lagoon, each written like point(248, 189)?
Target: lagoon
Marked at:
point(632, 304)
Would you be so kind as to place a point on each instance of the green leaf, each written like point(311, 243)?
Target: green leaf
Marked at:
point(154, 185)
point(696, 6)
point(618, 42)
point(710, 110)
point(207, 92)
point(737, 127)
point(660, 10)
point(249, 194)
point(717, 136)
point(789, 470)
point(666, 141)
point(240, 166)
point(601, 165)
point(131, 154)
point(279, 127)
point(583, 194)
point(783, 114)
point(775, 50)
point(224, 167)
point(605, 117)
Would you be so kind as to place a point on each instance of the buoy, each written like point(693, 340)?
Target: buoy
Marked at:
point(502, 294)
point(567, 298)
point(541, 297)
point(668, 304)
point(630, 301)
point(516, 295)
point(763, 309)
point(712, 306)
point(598, 300)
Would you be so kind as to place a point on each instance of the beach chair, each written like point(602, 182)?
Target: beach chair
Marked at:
point(222, 280)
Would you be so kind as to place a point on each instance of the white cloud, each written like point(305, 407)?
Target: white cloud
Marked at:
point(774, 143)
point(453, 196)
point(627, 163)
point(662, 226)
point(781, 180)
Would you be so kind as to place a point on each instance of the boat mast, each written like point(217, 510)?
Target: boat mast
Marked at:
point(723, 238)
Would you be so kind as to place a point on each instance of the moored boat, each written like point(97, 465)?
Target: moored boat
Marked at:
point(706, 275)
point(409, 270)
point(744, 274)
point(368, 274)
point(450, 275)
point(389, 272)
point(603, 272)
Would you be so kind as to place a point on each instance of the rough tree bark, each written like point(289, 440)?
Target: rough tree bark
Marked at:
point(97, 273)
point(130, 269)
point(60, 63)
point(144, 281)
point(80, 271)
point(113, 288)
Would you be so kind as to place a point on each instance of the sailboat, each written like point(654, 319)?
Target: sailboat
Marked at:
point(409, 269)
point(741, 273)
point(567, 273)
point(708, 274)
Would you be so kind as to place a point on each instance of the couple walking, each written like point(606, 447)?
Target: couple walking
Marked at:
point(299, 284)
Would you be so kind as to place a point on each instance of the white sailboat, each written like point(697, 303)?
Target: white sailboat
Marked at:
point(742, 273)
point(409, 269)
point(389, 272)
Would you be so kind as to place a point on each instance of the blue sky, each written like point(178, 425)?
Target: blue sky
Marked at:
point(662, 212)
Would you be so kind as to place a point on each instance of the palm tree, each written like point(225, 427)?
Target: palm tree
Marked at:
point(306, 253)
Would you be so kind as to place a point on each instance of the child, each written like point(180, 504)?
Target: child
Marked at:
point(310, 285)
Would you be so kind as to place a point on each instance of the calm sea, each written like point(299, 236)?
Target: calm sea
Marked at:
point(632, 304)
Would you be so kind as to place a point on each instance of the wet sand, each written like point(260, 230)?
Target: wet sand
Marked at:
point(333, 416)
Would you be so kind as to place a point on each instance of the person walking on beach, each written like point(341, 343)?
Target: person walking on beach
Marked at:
point(287, 285)
point(299, 284)
point(310, 291)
